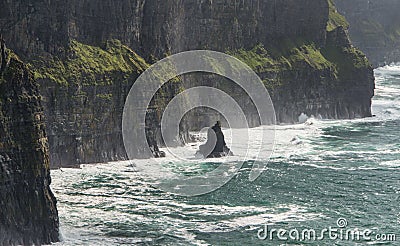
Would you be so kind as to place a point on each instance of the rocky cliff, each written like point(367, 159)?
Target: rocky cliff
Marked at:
point(88, 53)
point(374, 28)
point(28, 213)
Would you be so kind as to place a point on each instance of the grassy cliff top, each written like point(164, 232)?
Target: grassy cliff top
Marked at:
point(285, 56)
point(15, 67)
point(335, 18)
point(340, 61)
point(86, 64)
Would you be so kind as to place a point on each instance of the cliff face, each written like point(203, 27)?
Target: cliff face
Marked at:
point(88, 53)
point(84, 95)
point(160, 27)
point(28, 213)
point(174, 26)
point(304, 56)
point(374, 28)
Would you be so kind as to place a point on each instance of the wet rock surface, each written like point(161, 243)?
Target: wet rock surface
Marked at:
point(215, 145)
point(28, 213)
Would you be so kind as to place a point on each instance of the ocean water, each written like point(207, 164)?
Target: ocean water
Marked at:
point(339, 174)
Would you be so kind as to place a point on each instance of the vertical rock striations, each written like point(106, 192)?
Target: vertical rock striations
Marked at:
point(28, 213)
point(84, 93)
point(321, 75)
point(374, 28)
point(87, 53)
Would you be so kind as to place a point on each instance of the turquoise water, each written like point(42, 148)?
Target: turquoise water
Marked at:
point(338, 170)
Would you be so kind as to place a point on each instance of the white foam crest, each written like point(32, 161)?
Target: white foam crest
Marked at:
point(388, 69)
point(393, 163)
point(294, 213)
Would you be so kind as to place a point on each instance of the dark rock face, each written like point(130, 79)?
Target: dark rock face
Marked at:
point(84, 126)
point(152, 131)
point(160, 26)
point(344, 93)
point(28, 213)
point(306, 68)
point(374, 28)
point(175, 26)
point(215, 146)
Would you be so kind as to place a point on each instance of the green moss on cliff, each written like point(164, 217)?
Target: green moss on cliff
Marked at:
point(285, 55)
point(335, 18)
point(88, 65)
point(339, 60)
point(288, 55)
point(17, 90)
point(15, 67)
point(347, 60)
point(257, 58)
point(108, 96)
point(310, 55)
point(24, 174)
